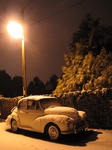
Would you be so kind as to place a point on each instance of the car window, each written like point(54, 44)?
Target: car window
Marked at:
point(37, 106)
point(22, 105)
point(46, 103)
point(31, 105)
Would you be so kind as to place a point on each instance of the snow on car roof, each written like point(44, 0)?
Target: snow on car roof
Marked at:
point(38, 97)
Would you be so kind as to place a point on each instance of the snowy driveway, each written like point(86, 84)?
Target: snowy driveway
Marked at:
point(25, 140)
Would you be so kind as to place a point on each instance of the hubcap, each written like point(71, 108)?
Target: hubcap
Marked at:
point(14, 125)
point(53, 132)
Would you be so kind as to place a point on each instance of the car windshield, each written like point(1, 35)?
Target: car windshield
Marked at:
point(46, 103)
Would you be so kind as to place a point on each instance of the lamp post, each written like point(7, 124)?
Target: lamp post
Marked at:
point(24, 68)
point(16, 31)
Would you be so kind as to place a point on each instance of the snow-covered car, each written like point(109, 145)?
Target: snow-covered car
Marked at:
point(44, 114)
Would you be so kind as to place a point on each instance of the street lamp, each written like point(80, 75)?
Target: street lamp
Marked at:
point(16, 31)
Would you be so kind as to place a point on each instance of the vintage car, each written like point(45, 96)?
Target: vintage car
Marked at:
point(44, 114)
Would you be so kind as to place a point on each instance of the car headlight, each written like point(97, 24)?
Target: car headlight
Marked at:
point(85, 116)
point(68, 120)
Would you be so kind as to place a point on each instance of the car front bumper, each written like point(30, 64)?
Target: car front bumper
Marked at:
point(76, 127)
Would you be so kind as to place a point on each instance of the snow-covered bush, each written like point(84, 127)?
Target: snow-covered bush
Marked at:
point(6, 104)
point(97, 104)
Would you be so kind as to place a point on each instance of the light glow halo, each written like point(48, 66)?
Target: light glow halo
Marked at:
point(15, 29)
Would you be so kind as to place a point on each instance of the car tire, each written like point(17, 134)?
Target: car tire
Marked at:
point(53, 132)
point(14, 125)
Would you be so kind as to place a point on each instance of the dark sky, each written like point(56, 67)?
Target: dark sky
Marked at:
point(49, 27)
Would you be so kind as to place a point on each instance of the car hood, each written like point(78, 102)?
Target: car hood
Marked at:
point(67, 111)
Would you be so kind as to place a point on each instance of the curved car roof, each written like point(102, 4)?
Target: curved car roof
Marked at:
point(37, 97)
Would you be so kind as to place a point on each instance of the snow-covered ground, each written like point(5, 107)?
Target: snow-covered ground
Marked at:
point(93, 139)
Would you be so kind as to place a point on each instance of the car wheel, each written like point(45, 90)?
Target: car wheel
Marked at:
point(53, 132)
point(14, 126)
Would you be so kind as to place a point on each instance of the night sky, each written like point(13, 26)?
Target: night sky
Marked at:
point(49, 26)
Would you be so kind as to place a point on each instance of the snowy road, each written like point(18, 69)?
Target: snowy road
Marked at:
point(89, 140)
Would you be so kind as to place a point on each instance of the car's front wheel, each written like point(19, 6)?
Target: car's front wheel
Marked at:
point(14, 125)
point(52, 132)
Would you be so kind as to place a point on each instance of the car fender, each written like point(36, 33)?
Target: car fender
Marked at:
point(40, 123)
point(82, 114)
point(12, 116)
point(15, 116)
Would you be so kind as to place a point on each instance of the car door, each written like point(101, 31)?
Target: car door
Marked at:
point(28, 115)
point(22, 111)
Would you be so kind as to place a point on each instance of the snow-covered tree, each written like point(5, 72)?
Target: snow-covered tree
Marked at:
point(89, 58)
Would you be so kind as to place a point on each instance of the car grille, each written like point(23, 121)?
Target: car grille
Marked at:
point(80, 124)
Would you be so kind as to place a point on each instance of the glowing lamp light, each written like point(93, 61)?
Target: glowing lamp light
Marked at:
point(15, 29)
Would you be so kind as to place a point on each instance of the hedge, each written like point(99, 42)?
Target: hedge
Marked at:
point(6, 104)
point(97, 104)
